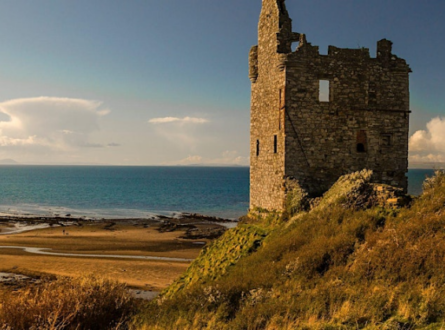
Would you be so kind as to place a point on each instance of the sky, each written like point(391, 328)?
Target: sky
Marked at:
point(145, 82)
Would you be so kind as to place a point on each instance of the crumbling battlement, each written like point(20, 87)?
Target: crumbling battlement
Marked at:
point(316, 117)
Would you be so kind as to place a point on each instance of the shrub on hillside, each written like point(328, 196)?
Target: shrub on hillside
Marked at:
point(67, 303)
point(297, 199)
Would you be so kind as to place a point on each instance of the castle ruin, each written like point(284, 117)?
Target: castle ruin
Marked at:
point(316, 117)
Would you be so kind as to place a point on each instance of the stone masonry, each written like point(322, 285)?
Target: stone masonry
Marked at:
point(299, 134)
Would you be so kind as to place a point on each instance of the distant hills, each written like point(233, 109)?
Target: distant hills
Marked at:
point(214, 165)
point(427, 165)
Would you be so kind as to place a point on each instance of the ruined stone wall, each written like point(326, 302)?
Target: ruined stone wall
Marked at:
point(297, 137)
point(267, 168)
point(364, 125)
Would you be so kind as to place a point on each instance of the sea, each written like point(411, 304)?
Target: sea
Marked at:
point(112, 192)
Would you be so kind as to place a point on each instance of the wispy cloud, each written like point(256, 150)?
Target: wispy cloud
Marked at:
point(190, 160)
point(429, 145)
point(186, 133)
point(228, 157)
point(7, 141)
point(185, 120)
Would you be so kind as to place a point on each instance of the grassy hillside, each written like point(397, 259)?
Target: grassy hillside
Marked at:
point(346, 264)
point(67, 303)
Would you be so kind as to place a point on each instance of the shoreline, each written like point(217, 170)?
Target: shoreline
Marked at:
point(68, 216)
point(15, 224)
point(146, 254)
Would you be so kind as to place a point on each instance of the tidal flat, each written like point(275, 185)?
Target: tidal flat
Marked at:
point(108, 248)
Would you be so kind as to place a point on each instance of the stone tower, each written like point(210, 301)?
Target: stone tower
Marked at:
point(316, 117)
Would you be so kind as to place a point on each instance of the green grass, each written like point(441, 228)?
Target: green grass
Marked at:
point(338, 266)
point(216, 259)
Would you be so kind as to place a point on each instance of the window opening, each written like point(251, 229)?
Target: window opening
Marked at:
point(275, 144)
point(372, 94)
point(281, 106)
point(295, 45)
point(360, 147)
point(257, 147)
point(281, 98)
point(362, 144)
point(324, 91)
point(386, 140)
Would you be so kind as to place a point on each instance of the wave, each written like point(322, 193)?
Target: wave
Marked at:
point(35, 210)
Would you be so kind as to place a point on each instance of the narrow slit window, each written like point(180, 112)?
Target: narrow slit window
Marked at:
point(275, 144)
point(324, 91)
point(282, 106)
point(362, 142)
point(282, 98)
point(257, 147)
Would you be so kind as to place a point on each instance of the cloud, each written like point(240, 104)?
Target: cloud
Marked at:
point(185, 120)
point(7, 141)
point(190, 160)
point(185, 133)
point(92, 145)
point(429, 145)
point(49, 122)
point(230, 157)
point(227, 158)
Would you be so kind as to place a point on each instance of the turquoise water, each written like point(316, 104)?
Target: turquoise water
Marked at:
point(127, 192)
point(115, 192)
point(415, 180)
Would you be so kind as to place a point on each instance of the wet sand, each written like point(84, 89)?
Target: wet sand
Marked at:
point(47, 251)
point(146, 254)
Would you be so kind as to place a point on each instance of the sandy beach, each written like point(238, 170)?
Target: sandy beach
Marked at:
point(147, 254)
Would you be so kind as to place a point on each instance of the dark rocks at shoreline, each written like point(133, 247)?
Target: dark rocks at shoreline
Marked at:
point(198, 216)
point(195, 226)
point(203, 233)
point(14, 281)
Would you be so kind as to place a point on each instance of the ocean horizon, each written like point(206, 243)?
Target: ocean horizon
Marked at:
point(97, 192)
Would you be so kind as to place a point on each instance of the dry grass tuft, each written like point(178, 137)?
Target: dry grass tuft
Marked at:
point(86, 302)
